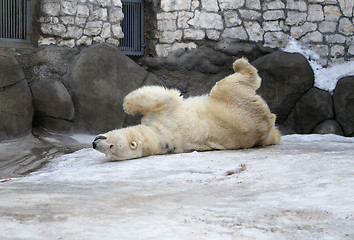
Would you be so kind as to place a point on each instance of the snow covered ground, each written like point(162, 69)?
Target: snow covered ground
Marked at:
point(300, 189)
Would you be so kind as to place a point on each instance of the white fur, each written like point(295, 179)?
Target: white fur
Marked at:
point(232, 116)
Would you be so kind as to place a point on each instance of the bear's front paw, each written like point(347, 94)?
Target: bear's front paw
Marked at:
point(129, 105)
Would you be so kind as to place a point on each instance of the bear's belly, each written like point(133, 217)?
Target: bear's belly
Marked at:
point(211, 135)
point(202, 129)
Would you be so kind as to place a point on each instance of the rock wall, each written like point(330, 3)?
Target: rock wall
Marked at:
point(16, 109)
point(287, 87)
point(98, 80)
point(64, 89)
point(326, 24)
point(80, 22)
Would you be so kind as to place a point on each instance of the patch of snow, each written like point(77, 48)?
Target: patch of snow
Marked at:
point(325, 78)
point(83, 138)
point(295, 46)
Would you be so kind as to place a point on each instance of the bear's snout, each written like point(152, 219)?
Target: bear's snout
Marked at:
point(94, 143)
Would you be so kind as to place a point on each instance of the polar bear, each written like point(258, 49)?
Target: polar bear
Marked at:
point(231, 116)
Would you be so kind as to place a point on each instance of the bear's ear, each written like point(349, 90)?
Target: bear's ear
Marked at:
point(133, 145)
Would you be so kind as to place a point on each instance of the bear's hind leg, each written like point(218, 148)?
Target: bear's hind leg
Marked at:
point(272, 138)
point(150, 99)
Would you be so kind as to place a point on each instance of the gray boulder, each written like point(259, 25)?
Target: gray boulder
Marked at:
point(328, 127)
point(240, 49)
point(343, 98)
point(284, 130)
point(10, 71)
point(54, 109)
point(16, 109)
point(46, 63)
point(152, 80)
point(313, 108)
point(192, 72)
point(98, 81)
point(286, 77)
point(195, 72)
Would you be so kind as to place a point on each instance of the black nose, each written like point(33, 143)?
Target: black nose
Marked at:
point(100, 137)
point(94, 144)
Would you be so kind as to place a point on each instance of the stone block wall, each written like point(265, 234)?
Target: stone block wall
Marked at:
point(80, 22)
point(327, 25)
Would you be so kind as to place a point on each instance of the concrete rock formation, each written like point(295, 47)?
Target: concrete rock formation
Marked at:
point(328, 127)
point(314, 107)
point(82, 89)
point(195, 72)
point(98, 81)
point(344, 104)
point(54, 109)
point(46, 63)
point(285, 78)
point(16, 109)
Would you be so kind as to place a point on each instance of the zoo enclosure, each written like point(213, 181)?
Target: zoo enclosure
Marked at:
point(15, 20)
point(133, 28)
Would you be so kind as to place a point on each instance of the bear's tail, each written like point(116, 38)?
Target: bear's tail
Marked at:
point(242, 66)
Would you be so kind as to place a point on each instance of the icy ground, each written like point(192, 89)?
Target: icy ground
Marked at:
point(301, 189)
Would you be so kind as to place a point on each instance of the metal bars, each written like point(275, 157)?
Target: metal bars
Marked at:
point(15, 18)
point(133, 28)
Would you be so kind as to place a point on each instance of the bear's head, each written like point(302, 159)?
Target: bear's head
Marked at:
point(120, 144)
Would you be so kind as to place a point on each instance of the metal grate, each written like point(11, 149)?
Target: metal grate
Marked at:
point(133, 28)
point(15, 18)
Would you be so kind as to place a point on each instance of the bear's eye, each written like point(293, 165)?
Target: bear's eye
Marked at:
point(111, 146)
point(133, 145)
